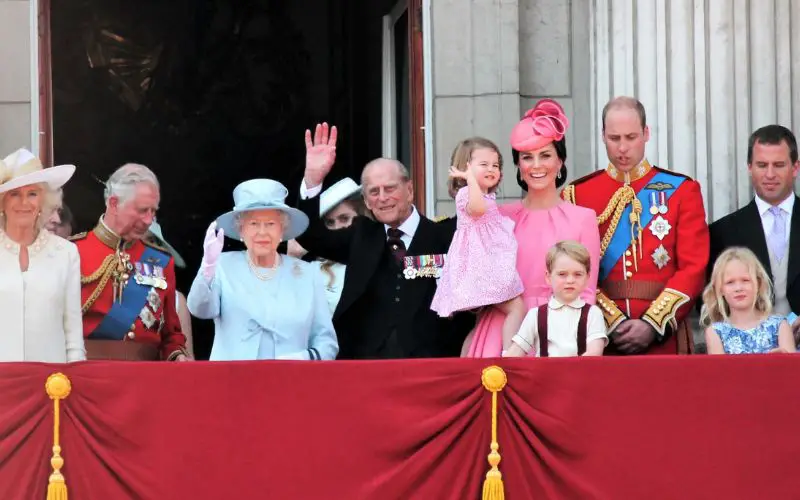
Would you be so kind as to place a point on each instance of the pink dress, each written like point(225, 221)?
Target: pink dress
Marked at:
point(536, 231)
point(480, 268)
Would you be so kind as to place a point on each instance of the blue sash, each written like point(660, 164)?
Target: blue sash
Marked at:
point(622, 236)
point(122, 315)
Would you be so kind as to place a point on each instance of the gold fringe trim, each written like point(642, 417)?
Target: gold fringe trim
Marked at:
point(58, 387)
point(494, 379)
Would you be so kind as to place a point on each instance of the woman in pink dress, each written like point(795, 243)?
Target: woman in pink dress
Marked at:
point(541, 218)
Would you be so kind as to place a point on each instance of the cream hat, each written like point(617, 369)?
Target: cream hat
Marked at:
point(23, 168)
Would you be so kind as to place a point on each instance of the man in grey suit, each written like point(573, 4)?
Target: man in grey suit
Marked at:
point(770, 224)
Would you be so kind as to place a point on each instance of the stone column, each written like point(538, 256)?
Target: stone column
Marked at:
point(16, 55)
point(708, 73)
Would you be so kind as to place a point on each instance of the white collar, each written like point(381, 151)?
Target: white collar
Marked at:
point(409, 226)
point(786, 205)
point(554, 303)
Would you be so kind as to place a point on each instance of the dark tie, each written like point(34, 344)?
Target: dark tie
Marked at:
point(396, 244)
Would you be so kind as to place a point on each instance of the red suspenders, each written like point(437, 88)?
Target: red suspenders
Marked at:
point(542, 324)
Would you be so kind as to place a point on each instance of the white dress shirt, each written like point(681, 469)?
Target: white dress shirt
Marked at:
point(768, 220)
point(41, 307)
point(408, 227)
point(562, 328)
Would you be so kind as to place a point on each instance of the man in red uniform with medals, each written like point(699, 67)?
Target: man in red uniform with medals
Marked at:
point(655, 243)
point(127, 280)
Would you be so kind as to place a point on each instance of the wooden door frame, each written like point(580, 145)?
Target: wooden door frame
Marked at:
point(416, 131)
point(417, 98)
point(45, 94)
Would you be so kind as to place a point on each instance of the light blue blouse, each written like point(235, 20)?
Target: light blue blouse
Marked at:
point(286, 317)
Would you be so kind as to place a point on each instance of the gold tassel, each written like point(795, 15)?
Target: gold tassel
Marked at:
point(58, 387)
point(494, 379)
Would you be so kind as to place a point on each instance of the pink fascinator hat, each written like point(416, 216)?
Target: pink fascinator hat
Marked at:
point(541, 125)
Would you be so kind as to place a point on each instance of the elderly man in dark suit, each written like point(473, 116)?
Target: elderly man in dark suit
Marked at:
point(770, 224)
point(383, 312)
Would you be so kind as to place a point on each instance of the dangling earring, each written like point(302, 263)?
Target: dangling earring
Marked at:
point(559, 175)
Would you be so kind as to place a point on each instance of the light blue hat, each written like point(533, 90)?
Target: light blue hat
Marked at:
point(262, 194)
point(155, 230)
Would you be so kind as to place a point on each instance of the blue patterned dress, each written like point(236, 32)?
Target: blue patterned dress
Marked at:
point(760, 339)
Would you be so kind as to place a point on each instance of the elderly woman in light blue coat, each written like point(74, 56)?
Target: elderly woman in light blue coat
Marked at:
point(265, 305)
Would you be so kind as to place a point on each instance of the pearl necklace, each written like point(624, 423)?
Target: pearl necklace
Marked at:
point(270, 272)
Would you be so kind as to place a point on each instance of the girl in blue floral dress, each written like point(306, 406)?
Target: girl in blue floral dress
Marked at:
point(737, 306)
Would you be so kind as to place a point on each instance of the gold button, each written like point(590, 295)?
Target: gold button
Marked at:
point(628, 263)
point(627, 254)
point(629, 274)
point(131, 335)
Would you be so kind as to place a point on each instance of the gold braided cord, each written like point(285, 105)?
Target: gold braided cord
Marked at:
point(103, 273)
point(619, 201)
point(107, 262)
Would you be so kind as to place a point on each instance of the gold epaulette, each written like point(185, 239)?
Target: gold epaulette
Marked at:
point(568, 194)
point(79, 236)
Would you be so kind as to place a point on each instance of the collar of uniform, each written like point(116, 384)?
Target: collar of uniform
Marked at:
point(628, 177)
point(554, 303)
point(109, 237)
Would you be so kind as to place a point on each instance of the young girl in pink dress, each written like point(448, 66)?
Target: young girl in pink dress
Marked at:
point(480, 268)
point(541, 218)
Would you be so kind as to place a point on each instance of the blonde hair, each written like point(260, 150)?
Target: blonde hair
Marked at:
point(715, 307)
point(571, 249)
point(462, 155)
point(51, 201)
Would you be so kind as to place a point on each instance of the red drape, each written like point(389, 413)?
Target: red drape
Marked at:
point(702, 427)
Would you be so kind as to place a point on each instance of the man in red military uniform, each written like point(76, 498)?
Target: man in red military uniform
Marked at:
point(127, 280)
point(655, 243)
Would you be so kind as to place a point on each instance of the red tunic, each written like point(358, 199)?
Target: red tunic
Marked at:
point(165, 331)
point(661, 283)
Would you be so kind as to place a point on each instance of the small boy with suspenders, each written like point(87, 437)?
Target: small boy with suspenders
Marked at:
point(566, 325)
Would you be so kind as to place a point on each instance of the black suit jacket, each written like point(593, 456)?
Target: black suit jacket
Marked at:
point(743, 228)
point(361, 248)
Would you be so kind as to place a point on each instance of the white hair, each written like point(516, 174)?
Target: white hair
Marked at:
point(285, 221)
point(122, 183)
point(402, 171)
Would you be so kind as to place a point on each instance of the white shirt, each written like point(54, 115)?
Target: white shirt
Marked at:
point(408, 227)
point(41, 307)
point(768, 219)
point(562, 328)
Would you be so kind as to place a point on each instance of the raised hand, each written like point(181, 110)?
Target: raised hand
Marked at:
point(455, 173)
point(212, 248)
point(320, 154)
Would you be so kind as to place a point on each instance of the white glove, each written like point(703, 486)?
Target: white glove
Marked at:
point(212, 248)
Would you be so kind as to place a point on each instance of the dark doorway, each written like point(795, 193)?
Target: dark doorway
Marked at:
point(208, 93)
